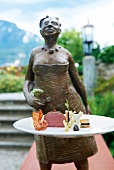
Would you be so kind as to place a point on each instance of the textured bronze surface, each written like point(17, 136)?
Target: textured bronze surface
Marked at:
point(56, 75)
point(61, 150)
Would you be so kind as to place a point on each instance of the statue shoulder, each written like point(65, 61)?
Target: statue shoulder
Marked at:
point(64, 50)
point(36, 50)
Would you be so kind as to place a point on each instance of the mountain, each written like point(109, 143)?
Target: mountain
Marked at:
point(16, 44)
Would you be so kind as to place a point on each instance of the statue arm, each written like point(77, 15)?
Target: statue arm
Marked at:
point(77, 83)
point(29, 79)
point(29, 85)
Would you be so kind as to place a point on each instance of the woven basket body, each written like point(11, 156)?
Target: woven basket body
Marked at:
point(54, 80)
point(63, 150)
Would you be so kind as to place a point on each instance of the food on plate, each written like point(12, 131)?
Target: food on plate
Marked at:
point(67, 111)
point(84, 123)
point(75, 128)
point(37, 115)
point(71, 118)
point(41, 125)
point(67, 116)
point(38, 123)
point(66, 126)
point(55, 119)
point(74, 120)
point(36, 92)
point(77, 118)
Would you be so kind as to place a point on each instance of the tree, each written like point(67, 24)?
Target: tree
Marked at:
point(107, 55)
point(71, 40)
point(96, 50)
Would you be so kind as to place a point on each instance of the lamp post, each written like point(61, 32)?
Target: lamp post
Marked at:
point(87, 35)
point(89, 67)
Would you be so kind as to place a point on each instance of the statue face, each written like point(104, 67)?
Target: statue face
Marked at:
point(50, 26)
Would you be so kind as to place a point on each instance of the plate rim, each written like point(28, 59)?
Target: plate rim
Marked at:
point(64, 134)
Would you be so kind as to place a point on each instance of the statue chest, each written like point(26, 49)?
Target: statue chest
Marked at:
point(46, 58)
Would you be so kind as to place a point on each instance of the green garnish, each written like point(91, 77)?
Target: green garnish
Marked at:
point(36, 92)
point(67, 104)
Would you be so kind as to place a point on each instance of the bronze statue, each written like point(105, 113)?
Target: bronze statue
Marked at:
point(51, 68)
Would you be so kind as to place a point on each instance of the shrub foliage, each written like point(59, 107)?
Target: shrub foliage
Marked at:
point(103, 105)
point(10, 83)
point(107, 55)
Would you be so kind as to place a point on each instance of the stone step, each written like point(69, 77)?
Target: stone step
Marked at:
point(12, 119)
point(8, 144)
point(14, 116)
point(16, 107)
point(15, 138)
point(24, 137)
point(10, 130)
point(13, 107)
point(12, 98)
point(12, 102)
point(15, 111)
point(6, 124)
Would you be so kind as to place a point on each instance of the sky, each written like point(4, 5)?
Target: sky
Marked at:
point(26, 14)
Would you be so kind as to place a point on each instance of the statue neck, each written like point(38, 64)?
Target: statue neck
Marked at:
point(50, 41)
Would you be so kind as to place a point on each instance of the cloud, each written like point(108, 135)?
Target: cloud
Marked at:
point(22, 1)
point(20, 18)
point(100, 13)
point(11, 14)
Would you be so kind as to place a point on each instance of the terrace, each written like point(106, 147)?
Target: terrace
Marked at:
point(102, 160)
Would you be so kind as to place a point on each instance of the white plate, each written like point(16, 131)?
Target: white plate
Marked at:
point(98, 125)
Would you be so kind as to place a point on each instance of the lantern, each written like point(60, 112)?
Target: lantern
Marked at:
point(87, 35)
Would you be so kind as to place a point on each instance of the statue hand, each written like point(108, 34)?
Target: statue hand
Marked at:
point(34, 102)
point(88, 110)
point(48, 100)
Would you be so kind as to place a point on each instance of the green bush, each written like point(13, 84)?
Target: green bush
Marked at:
point(103, 105)
point(80, 69)
point(10, 83)
point(107, 55)
point(104, 86)
point(23, 72)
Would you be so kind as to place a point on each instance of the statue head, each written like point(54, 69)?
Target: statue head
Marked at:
point(49, 26)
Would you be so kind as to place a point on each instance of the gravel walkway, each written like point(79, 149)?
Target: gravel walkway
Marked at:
point(12, 159)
